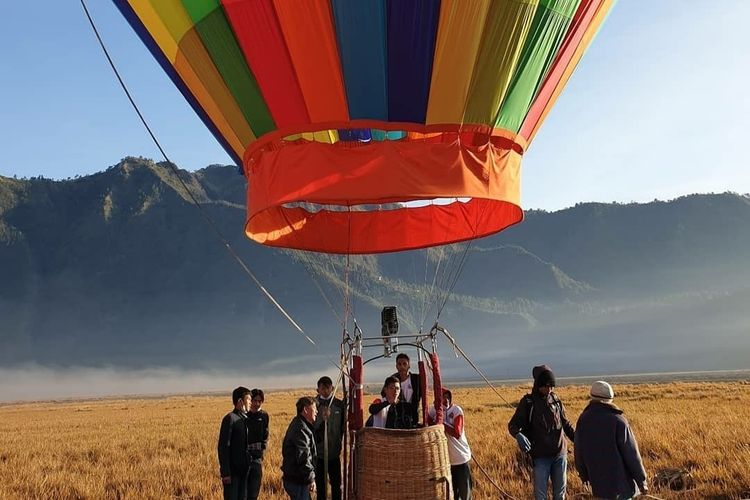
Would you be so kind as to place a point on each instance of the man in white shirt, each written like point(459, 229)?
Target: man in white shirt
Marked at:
point(410, 385)
point(458, 447)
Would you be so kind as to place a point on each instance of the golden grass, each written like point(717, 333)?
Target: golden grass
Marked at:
point(166, 448)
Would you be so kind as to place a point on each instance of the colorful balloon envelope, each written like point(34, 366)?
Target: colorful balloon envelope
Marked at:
point(368, 126)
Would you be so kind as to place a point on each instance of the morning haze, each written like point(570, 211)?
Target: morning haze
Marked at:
point(116, 273)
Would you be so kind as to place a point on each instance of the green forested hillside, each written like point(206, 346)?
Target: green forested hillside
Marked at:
point(118, 268)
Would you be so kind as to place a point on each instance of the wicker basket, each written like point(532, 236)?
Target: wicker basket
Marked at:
point(392, 464)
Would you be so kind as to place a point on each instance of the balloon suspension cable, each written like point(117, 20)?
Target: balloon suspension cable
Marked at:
point(453, 277)
point(457, 349)
point(347, 296)
point(427, 298)
point(206, 217)
point(459, 270)
point(307, 263)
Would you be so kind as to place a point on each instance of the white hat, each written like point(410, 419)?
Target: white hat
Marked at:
point(601, 391)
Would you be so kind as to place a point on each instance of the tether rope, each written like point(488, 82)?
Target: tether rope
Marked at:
point(206, 217)
point(458, 349)
point(489, 478)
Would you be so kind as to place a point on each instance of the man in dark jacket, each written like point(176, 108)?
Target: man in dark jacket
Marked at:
point(411, 388)
point(257, 438)
point(232, 448)
point(299, 453)
point(606, 452)
point(540, 426)
point(330, 424)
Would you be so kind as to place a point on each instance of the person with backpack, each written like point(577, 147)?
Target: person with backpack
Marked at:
point(540, 426)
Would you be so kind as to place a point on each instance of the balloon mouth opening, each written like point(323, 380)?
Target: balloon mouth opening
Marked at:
point(359, 194)
point(312, 207)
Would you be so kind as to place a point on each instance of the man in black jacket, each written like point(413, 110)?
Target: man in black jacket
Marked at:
point(257, 439)
point(232, 448)
point(329, 429)
point(299, 453)
point(411, 389)
point(539, 426)
point(389, 412)
point(606, 451)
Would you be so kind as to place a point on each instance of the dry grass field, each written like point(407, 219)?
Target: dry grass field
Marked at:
point(166, 448)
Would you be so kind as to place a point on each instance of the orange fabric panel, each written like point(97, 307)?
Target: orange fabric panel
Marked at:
point(206, 84)
point(311, 40)
point(387, 231)
point(380, 173)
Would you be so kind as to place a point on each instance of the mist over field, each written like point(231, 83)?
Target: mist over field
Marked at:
point(111, 284)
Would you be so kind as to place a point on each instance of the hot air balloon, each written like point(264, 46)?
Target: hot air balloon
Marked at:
point(368, 126)
point(350, 117)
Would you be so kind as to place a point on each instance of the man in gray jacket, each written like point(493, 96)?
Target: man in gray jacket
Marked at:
point(298, 452)
point(606, 452)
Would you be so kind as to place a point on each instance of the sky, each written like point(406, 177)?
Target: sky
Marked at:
point(658, 107)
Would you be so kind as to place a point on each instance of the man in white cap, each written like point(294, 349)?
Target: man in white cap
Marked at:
point(606, 452)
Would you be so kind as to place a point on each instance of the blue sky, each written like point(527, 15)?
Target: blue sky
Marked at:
point(658, 107)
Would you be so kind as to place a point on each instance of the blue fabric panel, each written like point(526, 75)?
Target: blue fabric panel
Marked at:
point(347, 135)
point(360, 31)
point(355, 134)
point(412, 29)
point(363, 134)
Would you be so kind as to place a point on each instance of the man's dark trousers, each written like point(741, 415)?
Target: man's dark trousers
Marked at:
point(254, 477)
point(462, 482)
point(334, 476)
point(237, 488)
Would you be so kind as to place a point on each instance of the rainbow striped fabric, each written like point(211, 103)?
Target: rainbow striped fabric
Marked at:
point(250, 67)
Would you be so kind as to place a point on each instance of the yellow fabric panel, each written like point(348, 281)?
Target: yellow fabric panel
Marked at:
point(174, 16)
point(508, 24)
point(591, 31)
point(459, 35)
point(326, 136)
point(156, 27)
point(194, 66)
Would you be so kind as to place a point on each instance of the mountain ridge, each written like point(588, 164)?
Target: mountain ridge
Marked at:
point(118, 268)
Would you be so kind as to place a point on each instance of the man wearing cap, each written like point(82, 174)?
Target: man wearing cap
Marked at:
point(458, 447)
point(539, 425)
point(233, 454)
point(606, 452)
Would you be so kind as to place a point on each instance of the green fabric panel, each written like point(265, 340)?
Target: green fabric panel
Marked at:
point(506, 29)
point(199, 9)
point(218, 38)
point(545, 37)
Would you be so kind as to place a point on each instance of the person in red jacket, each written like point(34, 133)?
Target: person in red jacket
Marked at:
point(458, 446)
